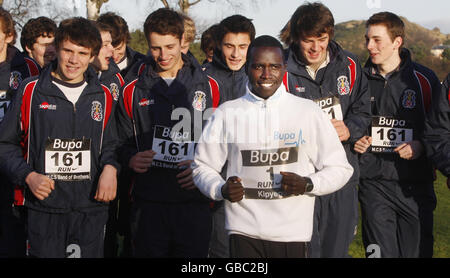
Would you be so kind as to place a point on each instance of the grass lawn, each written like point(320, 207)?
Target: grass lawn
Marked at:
point(441, 224)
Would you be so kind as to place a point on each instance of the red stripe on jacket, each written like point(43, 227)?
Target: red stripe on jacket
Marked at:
point(128, 98)
point(285, 81)
point(215, 93)
point(352, 69)
point(425, 88)
point(25, 113)
point(119, 76)
point(108, 105)
point(32, 67)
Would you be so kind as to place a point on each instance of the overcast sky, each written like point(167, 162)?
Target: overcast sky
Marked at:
point(270, 15)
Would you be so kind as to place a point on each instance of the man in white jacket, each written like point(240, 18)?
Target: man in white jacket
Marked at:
point(281, 151)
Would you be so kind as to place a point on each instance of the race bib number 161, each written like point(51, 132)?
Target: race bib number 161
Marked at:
point(68, 159)
point(388, 133)
point(171, 147)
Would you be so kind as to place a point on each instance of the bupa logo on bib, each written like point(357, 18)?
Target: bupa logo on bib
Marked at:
point(114, 91)
point(199, 102)
point(342, 85)
point(409, 99)
point(15, 79)
point(97, 111)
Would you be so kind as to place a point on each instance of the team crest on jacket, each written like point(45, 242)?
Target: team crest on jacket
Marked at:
point(409, 99)
point(342, 85)
point(199, 102)
point(114, 91)
point(15, 79)
point(97, 111)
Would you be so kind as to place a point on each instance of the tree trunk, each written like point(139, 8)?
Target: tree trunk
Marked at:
point(93, 8)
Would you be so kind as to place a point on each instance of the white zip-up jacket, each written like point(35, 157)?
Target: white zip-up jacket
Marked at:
point(259, 138)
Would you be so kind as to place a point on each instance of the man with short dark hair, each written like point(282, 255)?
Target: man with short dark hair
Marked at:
point(275, 166)
point(104, 65)
point(437, 130)
point(320, 70)
point(396, 187)
point(13, 69)
point(233, 36)
point(208, 42)
point(123, 55)
point(170, 217)
point(37, 38)
point(59, 142)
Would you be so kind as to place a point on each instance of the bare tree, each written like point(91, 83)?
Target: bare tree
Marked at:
point(93, 8)
point(185, 5)
point(21, 10)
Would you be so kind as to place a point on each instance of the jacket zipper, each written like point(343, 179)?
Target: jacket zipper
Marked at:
point(74, 117)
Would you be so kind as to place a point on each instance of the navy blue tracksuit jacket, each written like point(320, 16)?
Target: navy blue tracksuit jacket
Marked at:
point(437, 129)
point(148, 102)
point(41, 112)
point(232, 84)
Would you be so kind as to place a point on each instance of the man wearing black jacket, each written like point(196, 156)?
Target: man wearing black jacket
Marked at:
point(319, 69)
point(59, 142)
point(124, 56)
point(170, 217)
point(14, 68)
point(234, 35)
point(36, 39)
point(437, 130)
point(396, 189)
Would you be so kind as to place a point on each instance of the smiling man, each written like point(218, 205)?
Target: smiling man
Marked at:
point(396, 190)
point(170, 217)
point(104, 65)
point(320, 70)
point(124, 56)
point(234, 35)
point(37, 38)
point(270, 182)
point(61, 123)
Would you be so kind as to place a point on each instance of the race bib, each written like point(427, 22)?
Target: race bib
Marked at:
point(388, 133)
point(331, 106)
point(4, 103)
point(68, 159)
point(261, 172)
point(171, 147)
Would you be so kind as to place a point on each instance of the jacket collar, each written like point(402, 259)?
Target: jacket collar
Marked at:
point(220, 63)
point(406, 64)
point(252, 97)
point(110, 72)
point(296, 65)
point(189, 72)
point(45, 85)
